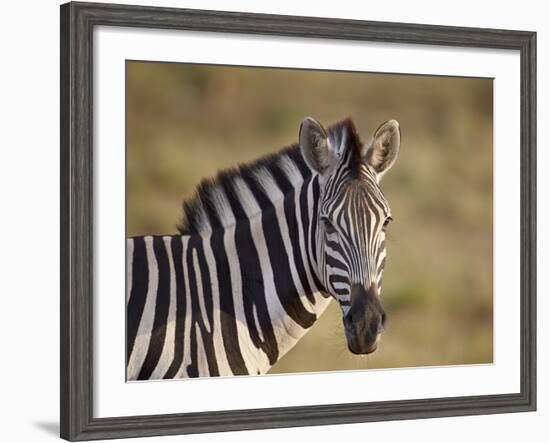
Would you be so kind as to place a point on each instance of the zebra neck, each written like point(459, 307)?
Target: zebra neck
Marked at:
point(231, 301)
point(275, 253)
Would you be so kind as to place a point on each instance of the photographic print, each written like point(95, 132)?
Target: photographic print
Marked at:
point(262, 213)
point(287, 221)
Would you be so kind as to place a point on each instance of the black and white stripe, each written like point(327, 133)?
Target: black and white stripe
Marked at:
point(251, 270)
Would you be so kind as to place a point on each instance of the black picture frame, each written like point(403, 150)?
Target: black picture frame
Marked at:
point(77, 23)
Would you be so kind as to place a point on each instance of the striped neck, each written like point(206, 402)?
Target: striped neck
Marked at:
point(238, 288)
point(268, 233)
point(278, 272)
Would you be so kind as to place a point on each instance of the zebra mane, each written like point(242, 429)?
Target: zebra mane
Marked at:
point(223, 200)
point(345, 139)
point(237, 193)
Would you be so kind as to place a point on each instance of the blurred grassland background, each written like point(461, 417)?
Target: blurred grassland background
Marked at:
point(185, 122)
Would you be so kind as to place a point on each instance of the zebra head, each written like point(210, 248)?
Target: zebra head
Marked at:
point(351, 221)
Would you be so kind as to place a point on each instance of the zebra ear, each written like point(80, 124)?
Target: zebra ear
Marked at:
point(384, 147)
point(314, 145)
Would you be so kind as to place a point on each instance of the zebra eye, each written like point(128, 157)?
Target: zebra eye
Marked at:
point(387, 222)
point(329, 228)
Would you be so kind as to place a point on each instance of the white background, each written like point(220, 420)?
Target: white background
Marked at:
point(29, 183)
point(113, 397)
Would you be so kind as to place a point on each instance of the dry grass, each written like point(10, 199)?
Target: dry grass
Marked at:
point(185, 122)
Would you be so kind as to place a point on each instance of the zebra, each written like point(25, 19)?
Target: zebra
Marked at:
point(262, 250)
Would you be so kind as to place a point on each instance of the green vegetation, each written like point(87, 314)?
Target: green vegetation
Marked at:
point(185, 122)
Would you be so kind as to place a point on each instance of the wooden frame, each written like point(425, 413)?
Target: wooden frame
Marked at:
point(77, 23)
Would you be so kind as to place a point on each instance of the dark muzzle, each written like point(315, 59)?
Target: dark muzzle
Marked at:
point(365, 320)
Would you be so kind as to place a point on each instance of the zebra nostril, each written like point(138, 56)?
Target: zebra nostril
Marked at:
point(381, 323)
point(350, 320)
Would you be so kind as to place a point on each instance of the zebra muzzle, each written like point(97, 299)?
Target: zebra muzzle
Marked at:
point(365, 320)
